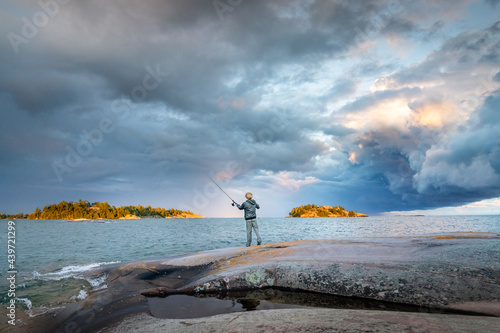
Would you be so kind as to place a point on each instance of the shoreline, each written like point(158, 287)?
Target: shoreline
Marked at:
point(416, 271)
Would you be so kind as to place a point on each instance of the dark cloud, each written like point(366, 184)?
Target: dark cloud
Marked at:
point(114, 44)
point(493, 3)
point(399, 27)
point(271, 93)
point(497, 77)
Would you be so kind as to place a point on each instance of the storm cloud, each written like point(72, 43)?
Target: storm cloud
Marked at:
point(372, 105)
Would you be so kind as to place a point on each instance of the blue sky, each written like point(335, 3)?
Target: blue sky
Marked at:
point(377, 106)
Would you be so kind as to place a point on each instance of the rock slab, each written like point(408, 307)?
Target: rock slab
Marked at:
point(311, 321)
point(460, 271)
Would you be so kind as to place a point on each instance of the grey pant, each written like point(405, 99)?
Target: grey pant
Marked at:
point(252, 223)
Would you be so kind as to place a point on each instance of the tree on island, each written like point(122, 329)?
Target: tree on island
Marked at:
point(100, 210)
point(13, 216)
point(312, 210)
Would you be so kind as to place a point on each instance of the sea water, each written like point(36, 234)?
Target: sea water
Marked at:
point(54, 258)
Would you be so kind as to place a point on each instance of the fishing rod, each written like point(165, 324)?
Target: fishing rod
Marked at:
point(234, 202)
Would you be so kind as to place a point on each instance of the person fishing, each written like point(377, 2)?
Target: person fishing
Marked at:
point(251, 217)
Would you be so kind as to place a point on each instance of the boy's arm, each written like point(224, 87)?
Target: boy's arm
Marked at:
point(257, 206)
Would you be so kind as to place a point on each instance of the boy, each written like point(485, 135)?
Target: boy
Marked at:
point(251, 217)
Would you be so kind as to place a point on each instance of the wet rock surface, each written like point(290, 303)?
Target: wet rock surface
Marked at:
point(458, 273)
point(439, 272)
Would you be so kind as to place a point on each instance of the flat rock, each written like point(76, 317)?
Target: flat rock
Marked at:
point(459, 271)
point(311, 321)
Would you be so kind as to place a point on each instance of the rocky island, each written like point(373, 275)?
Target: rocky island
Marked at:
point(312, 210)
point(84, 210)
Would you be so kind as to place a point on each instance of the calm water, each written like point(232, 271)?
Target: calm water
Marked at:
point(53, 256)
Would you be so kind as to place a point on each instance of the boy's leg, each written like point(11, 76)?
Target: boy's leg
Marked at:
point(249, 232)
point(256, 228)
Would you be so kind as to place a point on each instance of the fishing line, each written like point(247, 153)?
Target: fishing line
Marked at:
point(222, 190)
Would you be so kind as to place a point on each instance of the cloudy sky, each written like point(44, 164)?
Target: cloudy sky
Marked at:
point(377, 105)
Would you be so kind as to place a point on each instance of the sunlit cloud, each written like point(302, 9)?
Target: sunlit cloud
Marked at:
point(285, 179)
point(352, 158)
point(433, 115)
point(390, 112)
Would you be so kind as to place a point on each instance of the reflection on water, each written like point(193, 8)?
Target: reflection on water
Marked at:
point(249, 304)
point(203, 305)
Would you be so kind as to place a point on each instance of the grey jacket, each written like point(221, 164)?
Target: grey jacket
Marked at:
point(249, 206)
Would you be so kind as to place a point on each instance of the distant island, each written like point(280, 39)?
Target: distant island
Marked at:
point(13, 216)
point(323, 211)
point(83, 210)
